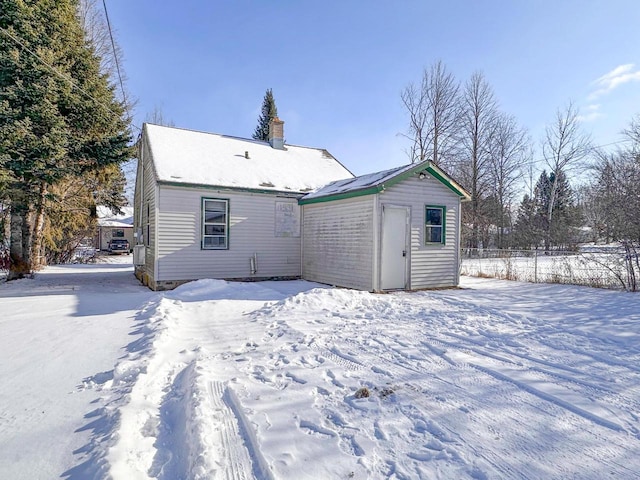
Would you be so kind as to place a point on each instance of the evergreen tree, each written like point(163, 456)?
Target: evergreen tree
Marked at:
point(59, 118)
point(565, 213)
point(527, 230)
point(269, 111)
point(533, 228)
point(560, 229)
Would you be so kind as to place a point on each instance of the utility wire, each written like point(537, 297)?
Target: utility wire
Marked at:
point(64, 76)
point(115, 56)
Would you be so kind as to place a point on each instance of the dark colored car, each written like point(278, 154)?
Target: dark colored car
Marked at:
point(119, 246)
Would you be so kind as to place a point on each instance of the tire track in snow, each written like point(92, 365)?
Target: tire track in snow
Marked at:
point(550, 398)
point(237, 463)
point(609, 391)
point(530, 389)
point(473, 406)
point(607, 360)
point(626, 404)
point(484, 351)
point(599, 457)
point(339, 358)
point(541, 333)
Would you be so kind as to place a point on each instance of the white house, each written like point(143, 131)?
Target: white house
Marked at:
point(214, 206)
point(112, 226)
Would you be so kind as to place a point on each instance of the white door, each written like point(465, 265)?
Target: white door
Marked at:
point(394, 248)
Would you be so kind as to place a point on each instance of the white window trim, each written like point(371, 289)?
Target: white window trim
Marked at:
point(203, 223)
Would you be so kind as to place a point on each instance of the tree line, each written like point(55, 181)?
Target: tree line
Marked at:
point(64, 131)
point(461, 128)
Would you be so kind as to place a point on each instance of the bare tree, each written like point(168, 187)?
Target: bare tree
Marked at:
point(97, 30)
point(633, 133)
point(129, 168)
point(433, 109)
point(478, 122)
point(564, 147)
point(509, 149)
point(157, 117)
point(614, 196)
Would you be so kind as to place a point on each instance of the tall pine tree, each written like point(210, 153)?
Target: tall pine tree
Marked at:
point(59, 117)
point(559, 229)
point(269, 111)
point(533, 227)
point(527, 229)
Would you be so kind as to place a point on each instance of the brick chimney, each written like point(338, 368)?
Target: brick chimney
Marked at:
point(276, 133)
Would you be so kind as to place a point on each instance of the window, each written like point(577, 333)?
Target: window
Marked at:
point(117, 233)
point(434, 221)
point(215, 224)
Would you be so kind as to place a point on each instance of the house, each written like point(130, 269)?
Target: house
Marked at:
point(214, 206)
point(397, 229)
point(209, 205)
point(112, 226)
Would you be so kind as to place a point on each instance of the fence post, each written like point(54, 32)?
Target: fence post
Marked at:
point(535, 266)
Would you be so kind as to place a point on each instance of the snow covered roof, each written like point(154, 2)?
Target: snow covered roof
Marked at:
point(198, 158)
point(357, 183)
point(377, 182)
point(106, 218)
point(114, 223)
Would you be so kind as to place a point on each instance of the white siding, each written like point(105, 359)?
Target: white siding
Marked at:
point(145, 201)
point(431, 266)
point(338, 242)
point(251, 231)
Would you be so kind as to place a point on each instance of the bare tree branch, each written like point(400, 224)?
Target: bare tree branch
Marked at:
point(564, 147)
point(433, 109)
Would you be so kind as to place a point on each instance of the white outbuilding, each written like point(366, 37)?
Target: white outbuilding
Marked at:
point(397, 229)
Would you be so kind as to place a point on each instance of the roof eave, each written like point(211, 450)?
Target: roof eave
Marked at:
point(291, 193)
point(342, 195)
point(384, 183)
point(448, 182)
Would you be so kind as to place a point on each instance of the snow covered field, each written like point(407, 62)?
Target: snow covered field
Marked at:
point(239, 381)
point(603, 268)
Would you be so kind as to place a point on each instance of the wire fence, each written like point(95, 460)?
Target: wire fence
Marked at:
point(614, 268)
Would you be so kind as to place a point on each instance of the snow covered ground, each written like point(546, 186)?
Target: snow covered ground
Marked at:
point(59, 333)
point(238, 381)
point(603, 266)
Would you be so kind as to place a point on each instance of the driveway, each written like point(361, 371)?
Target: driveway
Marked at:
point(59, 331)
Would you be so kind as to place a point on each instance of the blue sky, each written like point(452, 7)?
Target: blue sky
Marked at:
point(337, 67)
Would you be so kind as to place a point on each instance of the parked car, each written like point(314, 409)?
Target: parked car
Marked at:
point(119, 245)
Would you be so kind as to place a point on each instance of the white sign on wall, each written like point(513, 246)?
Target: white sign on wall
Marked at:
point(287, 219)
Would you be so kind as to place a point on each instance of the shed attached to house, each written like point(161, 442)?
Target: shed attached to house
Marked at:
point(215, 206)
point(397, 229)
